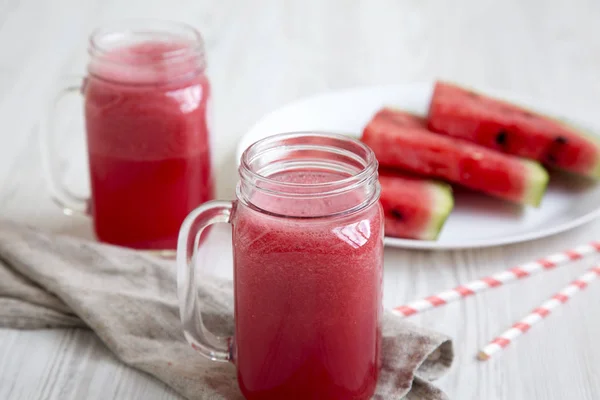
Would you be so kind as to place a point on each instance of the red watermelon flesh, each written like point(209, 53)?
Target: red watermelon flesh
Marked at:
point(409, 147)
point(414, 208)
point(505, 127)
point(402, 117)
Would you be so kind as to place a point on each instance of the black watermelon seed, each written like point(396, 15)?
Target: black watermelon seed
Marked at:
point(560, 140)
point(501, 137)
point(554, 148)
point(397, 214)
point(473, 94)
point(528, 114)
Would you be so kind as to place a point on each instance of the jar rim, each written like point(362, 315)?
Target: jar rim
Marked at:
point(120, 29)
point(332, 187)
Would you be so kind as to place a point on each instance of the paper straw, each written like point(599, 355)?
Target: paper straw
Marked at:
point(498, 279)
point(538, 314)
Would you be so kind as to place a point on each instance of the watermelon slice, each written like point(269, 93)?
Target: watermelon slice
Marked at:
point(402, 118)
point(403, 142)
point(493, 123)
point(414, 208)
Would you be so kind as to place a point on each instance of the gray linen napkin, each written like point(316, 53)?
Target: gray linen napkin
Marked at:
point(129, 300)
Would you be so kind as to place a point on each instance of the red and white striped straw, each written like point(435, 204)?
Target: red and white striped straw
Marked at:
point(498, 279)
point(538, 314)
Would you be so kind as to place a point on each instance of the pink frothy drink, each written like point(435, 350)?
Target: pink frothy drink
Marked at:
point(308, 296)
point(146, 99)
point(308, 248)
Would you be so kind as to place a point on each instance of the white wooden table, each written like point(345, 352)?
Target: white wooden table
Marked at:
point(265, 53)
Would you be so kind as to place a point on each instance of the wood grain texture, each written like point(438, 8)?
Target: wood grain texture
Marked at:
point(265, 53)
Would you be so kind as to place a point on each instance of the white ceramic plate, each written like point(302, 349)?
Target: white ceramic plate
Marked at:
point(477, 220)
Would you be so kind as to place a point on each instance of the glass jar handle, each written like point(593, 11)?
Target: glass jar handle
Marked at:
point(71, 203)
point(208, 344)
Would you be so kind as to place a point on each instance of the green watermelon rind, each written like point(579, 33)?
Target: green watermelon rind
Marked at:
point(443, 201)
point(537, 182)
point(595, 140)
point(590, 136)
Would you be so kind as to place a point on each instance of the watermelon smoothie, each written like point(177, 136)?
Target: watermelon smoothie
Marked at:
point(308, 293)
point(148, 140)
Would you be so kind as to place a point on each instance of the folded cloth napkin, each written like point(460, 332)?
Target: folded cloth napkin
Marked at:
point(128, 299)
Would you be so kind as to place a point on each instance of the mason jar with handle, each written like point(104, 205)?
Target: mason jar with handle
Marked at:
point(145, 100)
point(308, 256)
